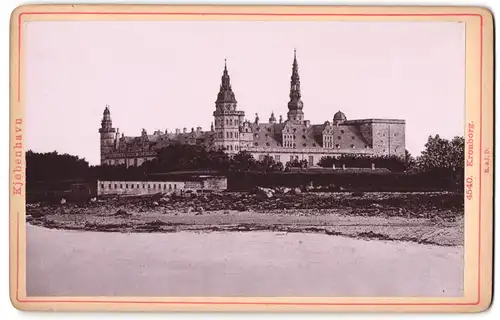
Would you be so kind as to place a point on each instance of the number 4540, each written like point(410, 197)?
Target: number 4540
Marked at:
point(468, 188)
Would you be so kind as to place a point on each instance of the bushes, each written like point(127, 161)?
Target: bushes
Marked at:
point(340, 181)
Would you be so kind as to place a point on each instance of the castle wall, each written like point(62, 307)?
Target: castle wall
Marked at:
point(389, 139)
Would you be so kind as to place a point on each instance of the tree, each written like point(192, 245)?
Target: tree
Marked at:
point(52, 166)
point(409, 160)
point(268, 164)
point(442, 154)
point(242, 161)
point(296, 164)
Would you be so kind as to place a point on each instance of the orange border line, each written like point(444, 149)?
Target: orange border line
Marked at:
point(268, 14)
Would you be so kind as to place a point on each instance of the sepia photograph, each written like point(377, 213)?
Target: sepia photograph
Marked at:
point(245, 158)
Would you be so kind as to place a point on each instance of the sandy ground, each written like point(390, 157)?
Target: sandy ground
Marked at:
point(258, 263)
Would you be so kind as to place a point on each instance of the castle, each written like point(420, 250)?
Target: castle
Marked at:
point(292, 139)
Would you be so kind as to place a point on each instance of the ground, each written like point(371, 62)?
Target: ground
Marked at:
point(235, 264)
point(428, 218)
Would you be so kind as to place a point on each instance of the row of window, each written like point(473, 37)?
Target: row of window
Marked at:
point(292, 158)
point(138, 185)
point(229, 122)
point(231, 147)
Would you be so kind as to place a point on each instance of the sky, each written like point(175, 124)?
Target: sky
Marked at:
point(166, 75)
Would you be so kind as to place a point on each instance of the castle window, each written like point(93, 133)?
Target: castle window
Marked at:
point(132, 186)
point(230, 134)
point(337, 146)
point(303, 130)
point(314, 144)
point(294, 129)
point(269, 129)
point(340, 138)
point(109, 186)
point(303, 137)
point(267, 144)
point(102, 185)
point(366, 146)
point(256, 135)
point(227, 135)
point(256, 144)
point(231, 121)
point(266, 135)
point(121, 186)
point(258, 129)
point(304, 145)
point(175, 187)
point(126, 186)
point(294, 145)
point(116, 186)
point(169, 186)
point(383, 150)
point(227, 121)
point(353, 137)
point(236, 134)
point(231, 147)
point(294, 136)
point(342, 131)
point(352, 146)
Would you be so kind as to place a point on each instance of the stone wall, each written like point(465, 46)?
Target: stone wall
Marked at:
point(389, 139)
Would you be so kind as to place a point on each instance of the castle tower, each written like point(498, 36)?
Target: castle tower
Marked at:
point(226, 118)
point(107, 135)
point(295, 105)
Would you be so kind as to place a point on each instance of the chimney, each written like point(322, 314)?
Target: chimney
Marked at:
point(198, 129)
point(192, 129)
point(177, 131)
point(184, 130)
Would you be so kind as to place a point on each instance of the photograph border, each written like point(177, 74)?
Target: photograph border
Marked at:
point(479, 108)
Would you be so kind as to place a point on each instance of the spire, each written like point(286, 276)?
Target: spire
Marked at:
point(295, 104)
point(295, 84)
point(225, 93)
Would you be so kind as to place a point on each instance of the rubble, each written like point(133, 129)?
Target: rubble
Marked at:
point(122, 213)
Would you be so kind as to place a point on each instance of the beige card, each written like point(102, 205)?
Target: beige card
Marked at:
point(251, 158)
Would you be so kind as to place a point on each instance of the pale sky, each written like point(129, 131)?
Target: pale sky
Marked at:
point(166, 75)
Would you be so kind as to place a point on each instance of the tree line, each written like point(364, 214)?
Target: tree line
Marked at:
point(440, 155)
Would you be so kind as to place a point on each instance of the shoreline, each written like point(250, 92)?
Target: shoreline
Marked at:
point(426, 218)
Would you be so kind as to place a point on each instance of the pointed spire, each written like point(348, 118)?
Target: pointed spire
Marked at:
point(225, 93)
point(295, 104)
